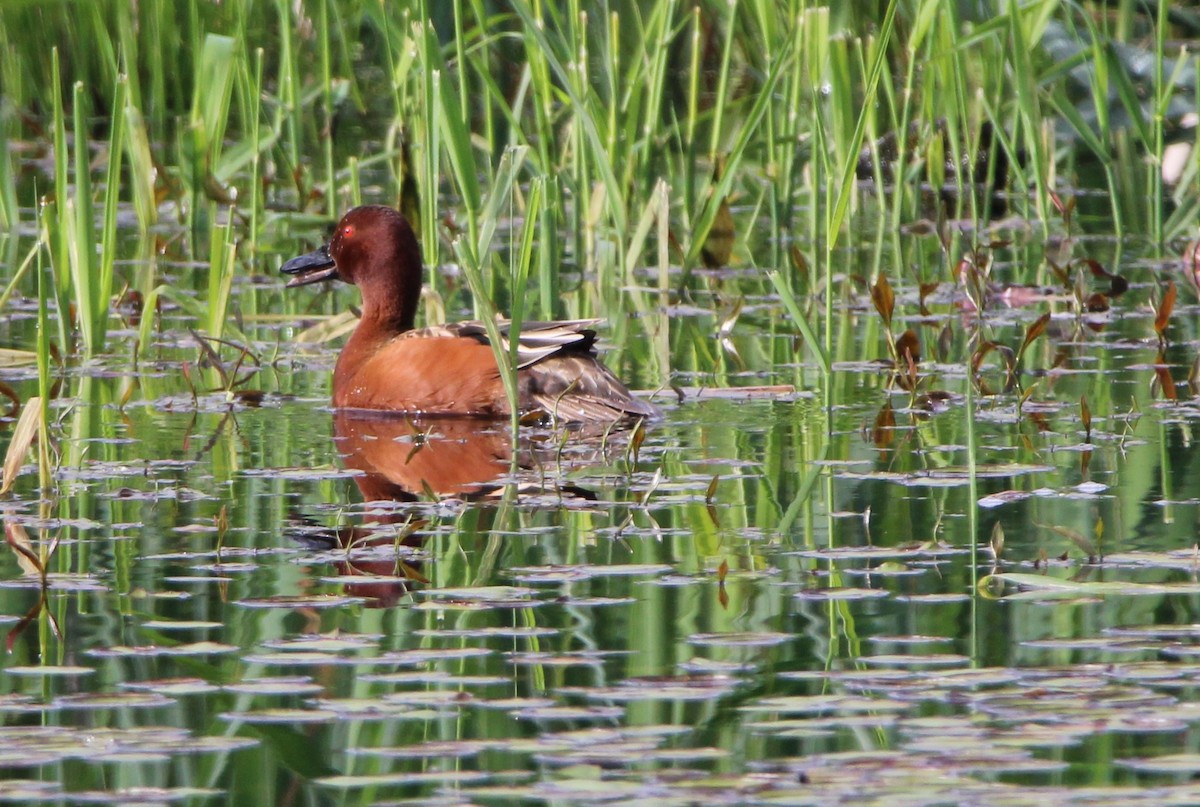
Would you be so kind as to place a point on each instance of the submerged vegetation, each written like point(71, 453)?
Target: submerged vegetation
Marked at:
point(911, 267)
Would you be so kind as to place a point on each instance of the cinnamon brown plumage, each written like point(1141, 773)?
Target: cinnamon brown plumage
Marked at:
point(387, 364)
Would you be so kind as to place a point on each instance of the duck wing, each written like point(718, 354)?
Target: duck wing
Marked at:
point(559, 371)
point(535, 341)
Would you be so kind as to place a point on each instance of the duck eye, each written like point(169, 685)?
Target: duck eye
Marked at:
point(348, 231)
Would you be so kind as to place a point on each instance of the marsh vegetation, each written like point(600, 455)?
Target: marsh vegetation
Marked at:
point(914, 283)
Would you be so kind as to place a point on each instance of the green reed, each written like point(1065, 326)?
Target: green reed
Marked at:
point(265, 104)
point(472, 254)
point(9, 214)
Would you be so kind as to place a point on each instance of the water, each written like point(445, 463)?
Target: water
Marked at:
point(781, 596)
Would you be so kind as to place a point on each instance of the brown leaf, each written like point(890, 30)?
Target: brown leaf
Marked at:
point(250, 397)
point(635, 441)
point(712, 489)
point(27, 559)
point(1085, 415)
point(1162, 314)
point(908, 348)
point(1064, 206)
point(1033, 332)
point(222, 522)
point(799, 262)
point(27, 620)
point(1025, 396)
point(1163, 378)
point(1117, 284)
point(11, 394)
point(722, 570)
point(924, 290)
point(1059, 272)
point(1079, 539)
point(884, 299)
point(980, 354)
point(709, 498)
point(885, 427)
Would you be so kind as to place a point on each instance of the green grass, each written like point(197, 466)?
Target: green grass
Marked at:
point(608, 100)
point(217, 136)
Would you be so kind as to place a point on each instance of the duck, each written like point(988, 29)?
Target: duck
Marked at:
point(390, 365)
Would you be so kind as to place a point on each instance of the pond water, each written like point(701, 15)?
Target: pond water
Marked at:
point(788, 592)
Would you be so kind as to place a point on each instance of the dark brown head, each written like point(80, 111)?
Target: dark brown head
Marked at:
point(374, 248)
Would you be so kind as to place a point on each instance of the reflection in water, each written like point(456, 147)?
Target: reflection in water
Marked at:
point(404, 460)
point(408, 460)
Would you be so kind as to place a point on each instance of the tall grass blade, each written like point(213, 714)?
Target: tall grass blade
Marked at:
point(472, 257)
point(82, 244)
point(102, 294)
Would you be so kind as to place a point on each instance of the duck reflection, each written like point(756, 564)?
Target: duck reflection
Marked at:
point(407, 460)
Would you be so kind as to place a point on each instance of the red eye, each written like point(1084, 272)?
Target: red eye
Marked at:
point(348, 231)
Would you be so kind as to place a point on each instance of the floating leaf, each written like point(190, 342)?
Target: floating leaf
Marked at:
point(10, 357)
point(1046, 583)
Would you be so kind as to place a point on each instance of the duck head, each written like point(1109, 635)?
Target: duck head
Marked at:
point(374, 248)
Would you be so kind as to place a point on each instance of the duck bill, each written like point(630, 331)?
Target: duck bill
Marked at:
point(311, 268)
